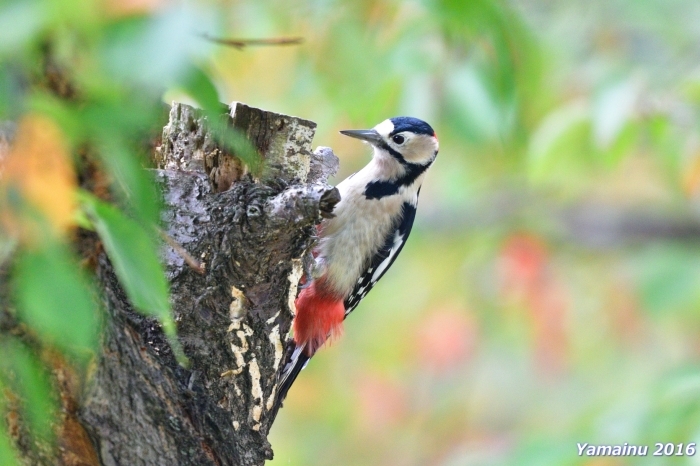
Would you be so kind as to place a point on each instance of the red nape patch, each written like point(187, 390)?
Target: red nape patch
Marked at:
point(319, 314)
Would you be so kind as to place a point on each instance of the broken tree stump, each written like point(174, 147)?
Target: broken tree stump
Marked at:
point(251, 236)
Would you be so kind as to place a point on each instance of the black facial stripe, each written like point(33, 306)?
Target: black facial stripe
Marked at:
point(397, 155)
point(380, 189)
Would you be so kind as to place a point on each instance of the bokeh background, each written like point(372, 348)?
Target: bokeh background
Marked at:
point(550, 291)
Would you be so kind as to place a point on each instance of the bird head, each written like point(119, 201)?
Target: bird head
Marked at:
point(408, 140)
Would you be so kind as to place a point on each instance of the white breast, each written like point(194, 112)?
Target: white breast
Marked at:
point(359, 229)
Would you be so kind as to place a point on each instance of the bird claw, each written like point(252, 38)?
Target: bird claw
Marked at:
point(313, 269)
point(316, 269)
point(303, 286)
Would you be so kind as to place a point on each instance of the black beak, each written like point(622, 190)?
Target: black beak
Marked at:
point(368, 135)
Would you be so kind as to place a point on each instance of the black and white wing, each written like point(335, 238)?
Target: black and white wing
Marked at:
point(376, 268)
point(384, 257)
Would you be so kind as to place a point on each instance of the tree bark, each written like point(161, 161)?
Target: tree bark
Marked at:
point(251, 237)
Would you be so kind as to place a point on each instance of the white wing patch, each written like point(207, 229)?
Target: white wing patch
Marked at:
point(290, 365)
point(383, 258)
point(398, 241)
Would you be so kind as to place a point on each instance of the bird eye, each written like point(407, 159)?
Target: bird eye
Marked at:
point(398, 139)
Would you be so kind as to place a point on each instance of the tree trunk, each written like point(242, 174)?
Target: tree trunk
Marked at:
point(251, 235)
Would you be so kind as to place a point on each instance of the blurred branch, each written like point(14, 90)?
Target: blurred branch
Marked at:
point(193, 263)
point(590, 224)
point(242, 43)
point(597, 225)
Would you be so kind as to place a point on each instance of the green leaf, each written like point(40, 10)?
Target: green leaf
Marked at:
point(133, 182)
point(19, 21)
point(553, 142)
point(7, 453)
point(133, 253)
point(7, 247)
point(473, 105)
point(149, 50)
point(613, 108)
point(669, 279)
point(200, 87)
point(237, 143)
point(59, 111)
point(55, 299)
point(26, 376)
point(12, 95)
point(112, 125)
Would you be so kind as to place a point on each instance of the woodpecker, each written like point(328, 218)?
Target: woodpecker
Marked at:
point(358, 245)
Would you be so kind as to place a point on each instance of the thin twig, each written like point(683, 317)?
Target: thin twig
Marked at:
point(186, 256)
point(242, 43)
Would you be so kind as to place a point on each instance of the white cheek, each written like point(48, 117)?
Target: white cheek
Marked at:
point(420, 151)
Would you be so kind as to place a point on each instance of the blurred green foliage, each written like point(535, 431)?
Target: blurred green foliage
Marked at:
point(54, 298)
point(549, 294)
point(83, 81)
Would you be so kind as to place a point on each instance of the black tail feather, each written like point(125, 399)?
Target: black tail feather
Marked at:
point(297, 362)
